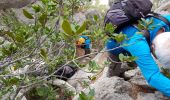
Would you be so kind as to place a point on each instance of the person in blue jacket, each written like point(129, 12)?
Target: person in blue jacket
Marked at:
point(139, 48)
point(84, 42)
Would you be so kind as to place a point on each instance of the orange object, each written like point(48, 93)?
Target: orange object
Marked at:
point(81, 41)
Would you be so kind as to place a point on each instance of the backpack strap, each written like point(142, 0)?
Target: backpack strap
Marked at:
point(158, 16)
point(145, 33)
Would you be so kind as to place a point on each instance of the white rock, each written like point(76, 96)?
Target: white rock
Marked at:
point(131, 73)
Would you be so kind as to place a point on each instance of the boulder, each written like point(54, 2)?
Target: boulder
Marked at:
point(5, 4)
point(111, 2)
point(78, 78)
point(140, 81)
point(146, 96)
point(131, 73)
point(113, 88)
point(79, 18)
point(164, 8)
point(151, 96)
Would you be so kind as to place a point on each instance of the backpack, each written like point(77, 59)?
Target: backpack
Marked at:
point(124, 12)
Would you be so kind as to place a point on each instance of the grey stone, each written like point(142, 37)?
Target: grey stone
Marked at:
point(151, 96)
point(146, 96)
point(160, 96)
point(5, 4)
point(78, 78)
point(140, 81)
point(21, 17)
point(79, 18)
point(90, 14)
point(164, 8)
point(113, 88)
point(131, 73)
point(111, 2)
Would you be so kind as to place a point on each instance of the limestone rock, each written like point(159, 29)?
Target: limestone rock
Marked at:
point(151, 96)
point(79, 18)
point(164, 8)
point(5, 4)
point(79, 78)
point(111, 2)
point(131, 73)
point(146, 96)
point(113, 88)
point(139, 81)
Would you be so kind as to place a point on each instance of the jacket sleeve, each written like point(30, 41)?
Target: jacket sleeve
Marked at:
point(138, 47)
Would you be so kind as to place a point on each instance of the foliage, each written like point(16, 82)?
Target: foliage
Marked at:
point(31, 53)
point(124, 58)
point(166, 72)
point(89, 96)
point(39, 48)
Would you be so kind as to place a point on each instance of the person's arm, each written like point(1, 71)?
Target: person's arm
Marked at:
point(147, 65)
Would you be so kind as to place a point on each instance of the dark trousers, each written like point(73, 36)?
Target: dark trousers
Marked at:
point(117, 68)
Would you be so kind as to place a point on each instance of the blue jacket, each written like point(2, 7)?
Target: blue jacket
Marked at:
point(139, 47)
point(87, 41)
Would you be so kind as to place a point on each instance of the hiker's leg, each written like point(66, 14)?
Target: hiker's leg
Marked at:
point(117, 68)
point(115, 64)
point(87, 51)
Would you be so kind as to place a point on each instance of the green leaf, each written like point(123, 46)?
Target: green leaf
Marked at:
point(73, 27)
point(43, 53)
point(93, 66)
point(110, 28)
point(42, 19)
point(82, 96)
point(120, 37)
point(11, 81)
point(44, 1)
point(82, 28)
point(121, 57)
point(91, 93)
point(5, 51)
point(124, 58)
point(19, 38)
point(67, 27)
point(2, 40)
point(95, 17)
point(42, 91)
point(27, 14)
point(10, 34)
point(36, 8)
point(150, 21)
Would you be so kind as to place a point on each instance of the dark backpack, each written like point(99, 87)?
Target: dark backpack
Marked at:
point(125, 12)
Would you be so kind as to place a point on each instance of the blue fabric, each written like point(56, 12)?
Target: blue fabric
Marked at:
point(87, 41)
point(137, 46)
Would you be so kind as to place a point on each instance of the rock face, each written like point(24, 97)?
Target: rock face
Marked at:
point(113, 88)
point(151, 96)
point(164, 9)
point(110, 2)
point(132, 85)
point(79, 18)
point(5, 4)
point(19, 14)
point(82, 16)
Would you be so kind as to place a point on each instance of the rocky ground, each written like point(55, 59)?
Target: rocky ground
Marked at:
point(131, 86)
